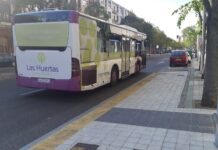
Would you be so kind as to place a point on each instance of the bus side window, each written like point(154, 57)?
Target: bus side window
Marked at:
point(113, 47)
point(101, 44)
point(138, 48)
point(119, 46)
point(133, 46)
point(108, 46)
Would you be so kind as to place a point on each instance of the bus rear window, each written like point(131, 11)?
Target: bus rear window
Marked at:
point(42, 17)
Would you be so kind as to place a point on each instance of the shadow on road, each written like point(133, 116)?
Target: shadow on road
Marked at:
point(102, 93)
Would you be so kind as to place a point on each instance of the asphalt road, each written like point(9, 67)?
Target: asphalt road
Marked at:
point(28, 114)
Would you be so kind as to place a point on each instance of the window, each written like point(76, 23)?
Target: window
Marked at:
point(43, 17)
point(119, 46)
point(133, 46)
point(100, 45)
point(100, 42)
point(177, 53)
point(114, 46)
point(138, 46)
point(109, 4)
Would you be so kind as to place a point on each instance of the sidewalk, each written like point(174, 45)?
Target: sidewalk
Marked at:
point(198, 83)
point(147, 118)
point(7, 73)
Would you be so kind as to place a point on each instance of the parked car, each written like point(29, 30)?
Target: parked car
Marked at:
point(179, 57)
point(6, 60)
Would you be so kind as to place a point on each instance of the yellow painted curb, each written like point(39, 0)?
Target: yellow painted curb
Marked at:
point(58, 138)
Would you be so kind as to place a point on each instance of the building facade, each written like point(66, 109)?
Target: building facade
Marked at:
point(5, 28)
point(114, 10)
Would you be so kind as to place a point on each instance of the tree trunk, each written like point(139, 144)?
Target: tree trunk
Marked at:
point(203, 43)
point(211, 73)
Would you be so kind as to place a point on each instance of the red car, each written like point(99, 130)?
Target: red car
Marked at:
point(179, 57)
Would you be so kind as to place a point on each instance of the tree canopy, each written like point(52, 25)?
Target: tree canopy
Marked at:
point(195, 6)
point(190, 36)
point(155, 35)
point(96, 10)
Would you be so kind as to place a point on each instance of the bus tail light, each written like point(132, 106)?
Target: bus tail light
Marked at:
point(75, 67)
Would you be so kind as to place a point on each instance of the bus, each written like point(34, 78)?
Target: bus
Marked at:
point(71, 51)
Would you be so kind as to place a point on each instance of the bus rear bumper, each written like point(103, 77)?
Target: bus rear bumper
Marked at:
point(63, 85)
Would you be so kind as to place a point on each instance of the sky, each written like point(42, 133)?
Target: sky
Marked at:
point(159, 13)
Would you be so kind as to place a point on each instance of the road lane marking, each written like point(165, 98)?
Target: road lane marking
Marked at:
point(31, 92)
point(58, 137)
point(161, 62)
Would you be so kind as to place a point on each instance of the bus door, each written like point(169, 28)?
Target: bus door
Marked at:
point(140, 51)
point(125, 57)
point(144, 55)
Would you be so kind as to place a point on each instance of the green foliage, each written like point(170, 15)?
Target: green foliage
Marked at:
point(190, 36)
point(42, 4)
point(155, 35)
point(195, 6)
point(96, 10)
point(21, 4)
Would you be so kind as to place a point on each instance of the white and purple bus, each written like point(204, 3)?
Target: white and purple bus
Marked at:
point(71, 51)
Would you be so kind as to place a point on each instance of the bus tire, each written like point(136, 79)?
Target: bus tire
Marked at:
point(114, 76)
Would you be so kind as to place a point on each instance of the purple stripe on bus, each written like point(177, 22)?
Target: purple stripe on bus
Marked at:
point(65, 85)
point(74, 17)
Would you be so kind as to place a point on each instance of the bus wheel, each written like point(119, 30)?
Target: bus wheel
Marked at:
point(137, 68)
point(114, 76)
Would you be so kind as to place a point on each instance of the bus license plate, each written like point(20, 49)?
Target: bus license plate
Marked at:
point(44, 80)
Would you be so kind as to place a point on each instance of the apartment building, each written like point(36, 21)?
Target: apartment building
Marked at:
point(115, 11)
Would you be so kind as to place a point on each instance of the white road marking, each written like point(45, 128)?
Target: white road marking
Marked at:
point(31, 92)
point(161, 62)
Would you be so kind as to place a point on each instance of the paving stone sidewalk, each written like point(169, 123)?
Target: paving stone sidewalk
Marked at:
point(150, 120)
point(198, 83)
point(7, 73)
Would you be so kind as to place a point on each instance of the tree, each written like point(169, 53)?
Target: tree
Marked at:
point(96, 10)
point(210, 91)
point(184, 10)
point(155, 35)
point(138, 23)
point(20, 5)
point(190, 36)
